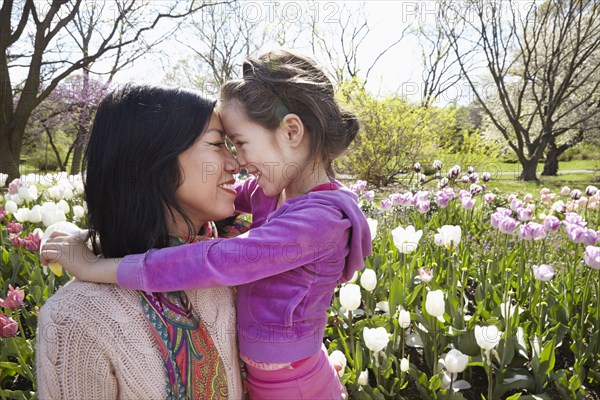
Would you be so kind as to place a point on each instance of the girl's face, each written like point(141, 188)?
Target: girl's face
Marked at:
point(207, 168)
point(262, 152)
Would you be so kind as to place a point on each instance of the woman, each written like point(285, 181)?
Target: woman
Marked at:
point(157, 174)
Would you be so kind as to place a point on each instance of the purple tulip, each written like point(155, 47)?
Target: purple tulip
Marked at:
point(450, 193)
point(395, 198)
point(443, 183)
point(507, 225)
point(516, 204)
point(574, 218)
point(489, 198)
point(486, 176)
point(591, 190)
point(358, 187)
point(476, 189)
point(464, 179)
point(386, 204)
point(417, 167)
point(473, 177)
point(369, 195)
point(437, 164)
point(524, 213)
point(551, 223)
point(454, 172)
point(422, 179)
point(575, 232)
point(423, 206)
point(532, 231)
point(467, 202)
point(495, 219)
point(470, 170)
point(543, 273)
point(406, 199)
point(576, 194)
point(504, 211)
point(589, 237)
point(442, 199)
point(592, 256)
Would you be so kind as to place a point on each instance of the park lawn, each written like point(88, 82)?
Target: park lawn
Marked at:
point(497, 166)
point(508, 184)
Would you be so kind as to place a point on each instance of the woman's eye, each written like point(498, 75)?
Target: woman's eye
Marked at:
point(217, 144)
point(239, 144)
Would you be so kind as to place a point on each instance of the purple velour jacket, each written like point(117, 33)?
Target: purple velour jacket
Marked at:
point(286, 268)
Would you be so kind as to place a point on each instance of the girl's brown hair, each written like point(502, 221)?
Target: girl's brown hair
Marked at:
point(280, 82)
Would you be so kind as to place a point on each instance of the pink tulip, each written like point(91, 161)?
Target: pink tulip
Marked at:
point(576, 194)
point(386, 204)
point(14, 227)
point(551, 223)
point(528, 197)
point(14, 298)
point(507, 225)
point(467, 202)
point(8, 326)
point(524, 214)
point(425, 275)
point(511, 197)
point(545, 192)
point(369, 195)
point(489, 198)
point(565, 191)
point(13, 187)
point(423, 206)
point(591, 190)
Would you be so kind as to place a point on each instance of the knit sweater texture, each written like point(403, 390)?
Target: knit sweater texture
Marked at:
point(94, 342)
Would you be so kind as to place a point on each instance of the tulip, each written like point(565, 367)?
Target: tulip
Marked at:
point(473, 178)
point(376, 339)
point(14, 227)
point(486, 176)
point(337, 357)
point(559, 207)
point(450, 235)
point(417, 167)
point(423, 179)
point(507, 225)
point(574, 218)
point(489, 198)
point(406, 199)
point(425, 275)
point(455, 361)
point(532, 231)
point(551, 223)
point(404, 365)
point(363, 378)
point(11, 207)
point(35, 215)
point(14, 298)
point(404, 319)
point(406, 240)
point(383, 306)
point(437, 164)
point(464, 179)
point(386, 204)
point(423, 206)
point(487, 337)
point(3, 178)
point(434, 303)
point(368, 280)
point(515, 204)
point(372, 227)
point(575, 232)
point(350, 296)
point(524, 214)
point(13, 187)
point(565, 191)
point(507, 309)
point(576, 194)
point(369, 195)
point(395, 199)
point(78, 212)
point(62, 226)
point(589, 191)
point(543, 273)
point(442, 199)
point(443, 183)
point(8, 326)
point(528, 197)
point(592, 256)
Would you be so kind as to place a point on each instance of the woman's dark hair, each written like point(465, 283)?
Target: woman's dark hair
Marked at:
point(280, 82)
point(131, 167)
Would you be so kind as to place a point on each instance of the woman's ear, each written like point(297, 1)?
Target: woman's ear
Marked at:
point(291, 130)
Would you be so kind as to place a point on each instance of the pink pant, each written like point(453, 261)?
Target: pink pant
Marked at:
point(314, 379)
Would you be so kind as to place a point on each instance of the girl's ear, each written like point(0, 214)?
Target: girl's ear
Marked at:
point(291, 130)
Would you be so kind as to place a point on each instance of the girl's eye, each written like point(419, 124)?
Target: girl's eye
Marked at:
point(239, 144)
point(217, 144)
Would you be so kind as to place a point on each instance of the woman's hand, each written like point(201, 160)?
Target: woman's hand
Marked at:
point(72, 252)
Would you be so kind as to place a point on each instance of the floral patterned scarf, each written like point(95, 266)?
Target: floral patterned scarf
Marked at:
point(194, 369)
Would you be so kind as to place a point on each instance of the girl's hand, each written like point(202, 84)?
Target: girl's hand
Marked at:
point(72, 252)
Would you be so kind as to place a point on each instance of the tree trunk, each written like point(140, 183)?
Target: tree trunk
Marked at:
point(529, 170)
point(9, 156)
point(551, 161)
point(78, 149)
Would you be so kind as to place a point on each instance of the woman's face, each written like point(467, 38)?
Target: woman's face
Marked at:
point(207, 168)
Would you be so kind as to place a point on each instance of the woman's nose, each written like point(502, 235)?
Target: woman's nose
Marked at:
point(231, 164)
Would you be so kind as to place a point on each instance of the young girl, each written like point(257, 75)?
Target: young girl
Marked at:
point(308, 233)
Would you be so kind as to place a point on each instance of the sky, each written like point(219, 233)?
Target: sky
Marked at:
point(398, 71)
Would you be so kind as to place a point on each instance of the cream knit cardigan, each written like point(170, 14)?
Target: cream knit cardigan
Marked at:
point(94, 342)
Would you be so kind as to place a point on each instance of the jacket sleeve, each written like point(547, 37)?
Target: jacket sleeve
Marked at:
point(304, 233)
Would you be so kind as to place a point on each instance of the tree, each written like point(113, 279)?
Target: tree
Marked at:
point(67, 111)
point(542, 62)
point(37, 40)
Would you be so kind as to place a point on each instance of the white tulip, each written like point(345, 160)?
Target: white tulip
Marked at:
point(3, 178)
point(456, 361)
point(372, 227)
point(339, 358)
point(363, 378)
point(487, 337)
point(434, 303)
point(406, 240)
point(376, 339)
point(51, 214)
point(449, 235)
point(354, 277)
point(17, 199)
point(383, 306)
point(24, 193)
point(11, 207)
point(404, 365)
point(35, 216)
point(404, 319)
point(350, 296)
point(64, 206)
point(508, 310)
point(78, 212)
point(368, 280)
point(22, 214)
